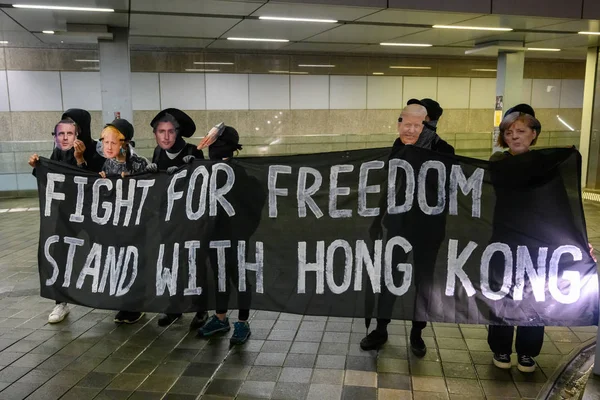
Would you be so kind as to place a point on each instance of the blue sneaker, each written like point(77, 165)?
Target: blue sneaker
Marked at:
point(241, 333)
point(214, 325)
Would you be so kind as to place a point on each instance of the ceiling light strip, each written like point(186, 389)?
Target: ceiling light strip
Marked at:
point(484, 70)
point(406, 44)
point(212, 63)
point(316, 65)
point(201, 70)
point(407, 67)
point(258, 39)
point(541, 49)
point(83, 60)
point(565, 124)
point(588, 33)
point(324, 21)
point(62, 8)
point(472, 28)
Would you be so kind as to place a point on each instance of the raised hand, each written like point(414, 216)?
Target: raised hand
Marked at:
point(33, 159)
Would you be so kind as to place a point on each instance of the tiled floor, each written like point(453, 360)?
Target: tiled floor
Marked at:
point(288, 357)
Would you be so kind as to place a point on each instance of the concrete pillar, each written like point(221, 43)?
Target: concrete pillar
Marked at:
point(115, 76)
point(589, 142)
point(509, 87)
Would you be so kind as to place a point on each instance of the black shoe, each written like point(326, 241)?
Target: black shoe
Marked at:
point(128, 317)
point(418, 347)
point(526, 363)
point(502, 360)
point(199, 320)
point(374, 340)
point(168, 319)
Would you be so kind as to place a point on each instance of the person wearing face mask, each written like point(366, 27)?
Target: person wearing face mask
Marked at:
point(69, 149)
point(434, 112)
point(223, 143)
point(523, 218)
point(412, 131)
point(170, 126)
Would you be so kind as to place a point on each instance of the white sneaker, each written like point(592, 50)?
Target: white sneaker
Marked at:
point(59, 313)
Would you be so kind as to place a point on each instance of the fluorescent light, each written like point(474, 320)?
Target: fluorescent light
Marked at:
point(588, 33)
point(317, 65)
point(92, 68)
point(541, 49)
point(377, 73)
point(472, 28)
point(484, 69)
point(82, 60)
point(62, 8)
point(212, 63)
point(565, 124)
point(288, 72)
point(406, 44)
point(326, 21)
point(48, 32)
point(258, 39)
point(3, 41)
point(201, 70)
point(407, 67)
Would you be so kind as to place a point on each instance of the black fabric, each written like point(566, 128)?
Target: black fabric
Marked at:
point(124, 127)
point(226, 144)
point(164, 162)
point(293, 259)
point(177, 146)
point(529, 339)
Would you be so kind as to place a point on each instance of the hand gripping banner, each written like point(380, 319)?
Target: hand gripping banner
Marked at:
point(414, 235)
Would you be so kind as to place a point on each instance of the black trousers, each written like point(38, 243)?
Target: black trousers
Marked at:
point(529, 339)
point(244, 298)
point(417, 326)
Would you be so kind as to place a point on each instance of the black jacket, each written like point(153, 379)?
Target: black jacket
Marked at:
point(162, 160)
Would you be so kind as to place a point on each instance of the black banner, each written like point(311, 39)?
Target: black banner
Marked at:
point(412, 235)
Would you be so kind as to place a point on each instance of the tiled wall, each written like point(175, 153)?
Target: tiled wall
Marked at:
point(274, 113)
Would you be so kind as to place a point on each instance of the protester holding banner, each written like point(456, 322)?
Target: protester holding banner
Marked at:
point(412, 226)
point(121, 161)
point(523, 218)
point(74, 146)
point(170, 126)
point(222, 144)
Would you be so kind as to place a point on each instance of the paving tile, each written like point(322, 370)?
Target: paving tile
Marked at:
point(232, 371)
point(270, 359)
point(17, 391)
point(360, 378)
point(334, 362)
point(491, 372)
point(529, 389)
point(430, 396)
point(358, 393)
point(393, 381)
point(264, 374)
point(200, 370)
point(429, 384)
point(459, 370)
point(276, 346)
point(361, 363)
point(300, 360)
point(319, 391)
point(223, 387)
point(254, 389)
point(455, 356)
point(157, 383)
point(189, 385)
point(499, 388)
point(392, 365)
point(96, 380)
point(110, 394)
point(290, 391)
point(11, 374)
point(328, 376)
point(296, 375)
point(305, 347)
point(429, 368)
point(126, 381)
point(463, 386)
point(78, 393)
point(393, 394)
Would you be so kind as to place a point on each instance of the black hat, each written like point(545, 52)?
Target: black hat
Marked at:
point(523, 108)
point(225, 145)
point(124, 127)
point(434, 111)
point(187, 127)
